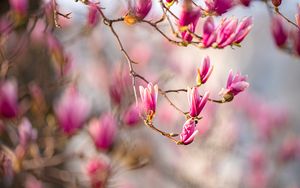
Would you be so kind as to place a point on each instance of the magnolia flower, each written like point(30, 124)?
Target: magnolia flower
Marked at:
point(26, 133)
point(196, 102)
point(243, 29)
point(71, 111)
point(209, 36)
point(226, 32)
point(19, 6)
point(280, 33)
point(235, 84)
point(132, 115)
point(97, 171)
point(138, 11)
point(204, 71)
point(8, 99)
point(188, 132)
point(93, 15)
point(103, 131)
point(149, 99)
point(188, 20)
point(218, 7)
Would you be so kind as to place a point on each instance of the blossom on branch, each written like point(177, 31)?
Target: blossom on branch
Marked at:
point(218, 7)
point(8, 99)
point(196, 102)
point(280, 33)
point(189, 132)
point(149, 100)
point(138, 11)
point(169, 3)
point(204, 71)
point(26, 133)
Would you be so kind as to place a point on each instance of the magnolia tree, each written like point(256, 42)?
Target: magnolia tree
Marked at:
point(43, 109)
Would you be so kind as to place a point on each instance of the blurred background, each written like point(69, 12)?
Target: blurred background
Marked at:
point(251, 142)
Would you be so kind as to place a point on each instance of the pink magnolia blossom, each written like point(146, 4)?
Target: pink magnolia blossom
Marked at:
point(26, 133)
point(196, 102)
point(209, 36)
point(93, 15)
point(71, 111)
point(188, 132)
point(243, 29)
point(290, 149)
point(149, 99)
point(8, 99)
point(131, 116)
point(138, 11)
point(204, 71)
point(218, 7)
point(280, 33)
point(19, 6)
point(235, 84)
point(188, 20)
point(97, 171)
point(226, 32)
point(103, 131)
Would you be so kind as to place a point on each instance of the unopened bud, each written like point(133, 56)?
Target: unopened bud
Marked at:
point(276, 3)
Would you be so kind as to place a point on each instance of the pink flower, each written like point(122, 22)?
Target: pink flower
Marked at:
point(196, 102)
point(209, 36)
point(132, 115)
point(71, 111)
point(235, 84)
point(204, 71)
point(138, 11)
point(149, 99)
point(290, 149)
point(26, 133)
point(93, 15)
point(188, 21)
point(188, 132)
point(245, 2)
point(218, 7)
point(226, 32)
point(8, 99)
point(19, 6)
point(97, 170)
point(243, 29)
point(103, 131)
point(296, 41)
point(279, 31)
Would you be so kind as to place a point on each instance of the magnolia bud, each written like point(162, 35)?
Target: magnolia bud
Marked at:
point(276, 3)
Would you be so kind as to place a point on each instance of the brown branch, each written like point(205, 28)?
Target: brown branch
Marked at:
point(286, 18)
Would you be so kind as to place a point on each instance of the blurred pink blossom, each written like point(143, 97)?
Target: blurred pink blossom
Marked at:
point(26, 133)
point(280, 33)
point(71, 111)
point(131, 115)
point(218, 7)
point(93, 15)
point(204, 71)
point(196, 102)
point(188, 132)
point(97, 171)
point(103, 131)
point(290, 149)
point(8, 99)
point(19, 6)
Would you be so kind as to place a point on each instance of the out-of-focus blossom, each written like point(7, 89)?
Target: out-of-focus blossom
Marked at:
point(196, 102)
point(226, 32)
point(6, 168)
point(97, 171)
point(218, 7)
point(19, 6)
point(138, 11)
point(297, 16)
point(245, 2)
point(188, 132)
point(93, 15)
point(187, 22)
point(235, 84)
point(71, 111)
point(32, 182)
point(209, 36)
point(296, 41)
point(204, 71)
point(290, 149)
point(103, 131)
point(26, 133)
point(169, 3)
point(8, 99)
point(276, 3)
point(120, 81)
point(243, 29)
point(149, 100)
point(279, 31)
point(131, 116)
